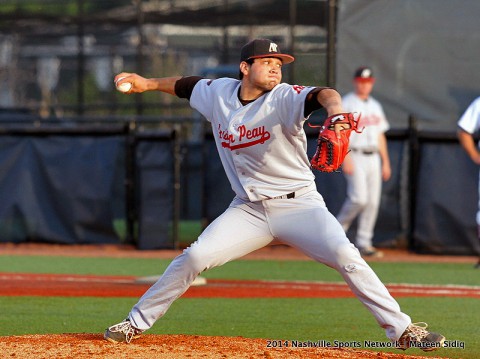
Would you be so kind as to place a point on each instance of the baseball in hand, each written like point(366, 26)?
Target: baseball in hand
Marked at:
point(125, 87)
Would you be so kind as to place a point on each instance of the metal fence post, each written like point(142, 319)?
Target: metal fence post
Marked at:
point(177, 164)
point(414, 159)
point(331, 41)
point(130, 181)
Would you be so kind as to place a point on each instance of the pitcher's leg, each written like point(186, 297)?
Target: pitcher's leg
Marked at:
point(232, 235)
point(319, 235)
point(368, 288)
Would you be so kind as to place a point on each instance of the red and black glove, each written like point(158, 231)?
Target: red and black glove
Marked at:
point(332, 149)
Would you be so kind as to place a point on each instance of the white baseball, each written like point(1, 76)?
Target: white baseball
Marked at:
point(125, 87)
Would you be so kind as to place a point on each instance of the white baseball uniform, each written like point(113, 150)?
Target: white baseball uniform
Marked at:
point(262, 147)
point(364, 186)
point(470, 122)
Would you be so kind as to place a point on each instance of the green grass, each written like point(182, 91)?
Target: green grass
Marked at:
point(421, 273)
point(275, 318)
point(188, 231)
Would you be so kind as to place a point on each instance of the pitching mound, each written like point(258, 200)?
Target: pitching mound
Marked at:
point(80, 346)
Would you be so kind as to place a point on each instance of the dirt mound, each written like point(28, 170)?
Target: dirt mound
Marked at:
point(80, 346)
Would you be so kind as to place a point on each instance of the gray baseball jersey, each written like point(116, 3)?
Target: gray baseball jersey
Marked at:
point(266, 168)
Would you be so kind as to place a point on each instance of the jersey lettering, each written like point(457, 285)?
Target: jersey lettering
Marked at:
point(224, 135)
point(371, 120)
point(254, 133)
point(298, 88)
point(246, 137)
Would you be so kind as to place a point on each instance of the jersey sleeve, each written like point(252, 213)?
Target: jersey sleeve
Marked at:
point(311, 102)
point(290, 100)
point(208, 93)
point(470, 120)
point(202, 97)
point(184, 86)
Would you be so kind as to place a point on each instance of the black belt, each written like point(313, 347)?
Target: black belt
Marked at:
point(286, 196)
point(298, 193)
point(365, 152)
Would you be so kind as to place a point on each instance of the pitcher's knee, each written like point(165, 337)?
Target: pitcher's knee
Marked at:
point(346, 257)
point(198, 259)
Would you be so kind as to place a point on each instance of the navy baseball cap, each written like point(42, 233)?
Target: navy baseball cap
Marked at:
point(259, 48)
point(364, 73)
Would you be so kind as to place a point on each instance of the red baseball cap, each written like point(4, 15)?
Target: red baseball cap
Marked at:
point(259, 48)
point(364, 74)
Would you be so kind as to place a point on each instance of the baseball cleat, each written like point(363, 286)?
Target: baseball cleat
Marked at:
point(370, 252)
point(122, 332)
point(417, 336)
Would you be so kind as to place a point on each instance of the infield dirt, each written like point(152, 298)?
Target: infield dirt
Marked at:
point(83, 346)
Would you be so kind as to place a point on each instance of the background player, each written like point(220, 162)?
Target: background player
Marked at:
point(468, 124)
point(367, 163)
point(258, 129)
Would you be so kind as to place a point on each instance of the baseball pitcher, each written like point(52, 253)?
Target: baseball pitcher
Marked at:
point(257, 123)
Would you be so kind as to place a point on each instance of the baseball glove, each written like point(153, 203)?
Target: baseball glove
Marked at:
point(331, 150)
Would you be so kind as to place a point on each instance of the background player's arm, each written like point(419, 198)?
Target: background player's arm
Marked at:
point(142, 84)
point(383, 151)
point(348, 166)
point(468, 144)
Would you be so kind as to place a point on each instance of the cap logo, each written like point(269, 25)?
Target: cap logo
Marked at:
point(273, 47)
point(366, 73)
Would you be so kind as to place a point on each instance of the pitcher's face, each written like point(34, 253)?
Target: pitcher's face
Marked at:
point(265, 73)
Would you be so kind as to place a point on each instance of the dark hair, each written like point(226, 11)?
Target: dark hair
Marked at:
point(248, 61)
